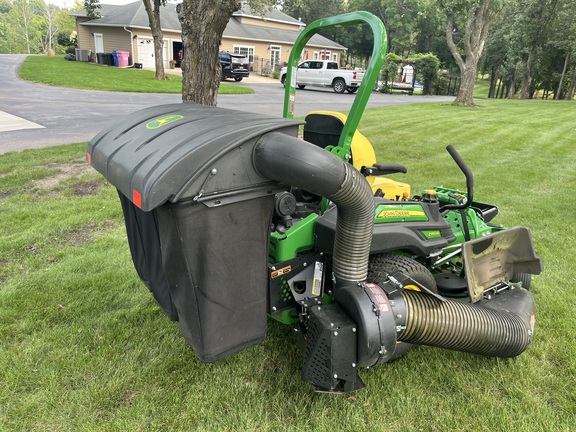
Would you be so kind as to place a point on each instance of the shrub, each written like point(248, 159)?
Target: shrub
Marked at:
point(427, 66)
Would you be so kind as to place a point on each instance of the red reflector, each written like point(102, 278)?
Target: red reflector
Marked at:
point(354, 75)
point(89, 158)
point(137, 198)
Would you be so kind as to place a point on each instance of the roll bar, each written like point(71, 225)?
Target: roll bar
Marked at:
point(370, 77)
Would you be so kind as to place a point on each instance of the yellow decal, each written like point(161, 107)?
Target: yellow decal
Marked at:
point(400, 213)
point(412, 287)
point(316, 284)
point(159, 122)
point(280, 272)
point(432, 234)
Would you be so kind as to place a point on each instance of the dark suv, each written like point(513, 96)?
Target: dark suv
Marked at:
point(233, 66)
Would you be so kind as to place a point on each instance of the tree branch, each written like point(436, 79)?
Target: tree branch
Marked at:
point(450, 40)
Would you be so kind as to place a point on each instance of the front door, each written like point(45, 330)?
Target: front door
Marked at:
point(98, 43)
point(275, 51)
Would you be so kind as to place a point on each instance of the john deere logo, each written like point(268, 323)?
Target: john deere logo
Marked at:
point(159, 122)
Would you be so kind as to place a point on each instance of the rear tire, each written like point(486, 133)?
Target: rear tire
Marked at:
point(339, 85)
point(381, 265)
point(301, 86)
point(283, 80)
point(525, 278)
point(351, 89)
point(238, 79)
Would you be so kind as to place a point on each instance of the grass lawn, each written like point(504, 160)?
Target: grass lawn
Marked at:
point(58, 72)
point(84, 347)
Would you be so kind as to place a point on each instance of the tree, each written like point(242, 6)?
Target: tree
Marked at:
point(399, 18)
point(297, 9)
point(563, 37)
point(54, 19)
point(153, 12)
point(309, 11)
point(538, 15)
point(503, 51)
point(203, 23)
point(31, 26)
point(26, 20)
point(91, 7)
point(477, 20)
point(532, 48)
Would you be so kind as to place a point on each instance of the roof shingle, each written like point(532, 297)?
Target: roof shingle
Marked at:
point(134, 15)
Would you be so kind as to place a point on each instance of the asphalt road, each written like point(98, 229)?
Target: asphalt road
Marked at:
point(36, 115)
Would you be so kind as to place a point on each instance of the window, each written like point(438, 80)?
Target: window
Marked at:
point(335, 57)
point(246, 51)
point(322, 55)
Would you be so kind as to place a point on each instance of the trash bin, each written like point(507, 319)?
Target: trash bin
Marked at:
point(194, 205)
point(115, 57)
point(123, 57)
point(101, 59)
point(108, 59)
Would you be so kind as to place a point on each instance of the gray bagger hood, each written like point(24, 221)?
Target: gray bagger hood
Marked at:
point(197, 216)
point(155, 155)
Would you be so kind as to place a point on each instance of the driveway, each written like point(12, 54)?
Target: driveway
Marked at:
point(36, 115)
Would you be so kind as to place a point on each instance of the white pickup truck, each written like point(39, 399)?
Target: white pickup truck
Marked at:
point(325, 73)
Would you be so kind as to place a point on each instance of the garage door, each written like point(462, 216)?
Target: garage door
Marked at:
point(146, 52)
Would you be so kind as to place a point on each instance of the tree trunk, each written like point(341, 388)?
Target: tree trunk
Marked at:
point(477, 22)
point(572, 89)
point(493, 79)
point(157, 36)
point(558, 94)
point(527, 81)
point(512, 88)
point(465, 92)
point(203, 22)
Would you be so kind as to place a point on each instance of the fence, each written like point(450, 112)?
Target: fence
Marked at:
point(264, 67)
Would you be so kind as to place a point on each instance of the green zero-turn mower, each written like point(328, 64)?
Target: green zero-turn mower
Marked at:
point(232, 218)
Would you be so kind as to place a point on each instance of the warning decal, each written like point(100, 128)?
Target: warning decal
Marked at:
point(380, 297)
point(280, 272)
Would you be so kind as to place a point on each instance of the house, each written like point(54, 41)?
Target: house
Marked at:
point(265, 41)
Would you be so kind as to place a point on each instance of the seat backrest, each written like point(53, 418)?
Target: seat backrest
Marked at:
point(323, 128)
